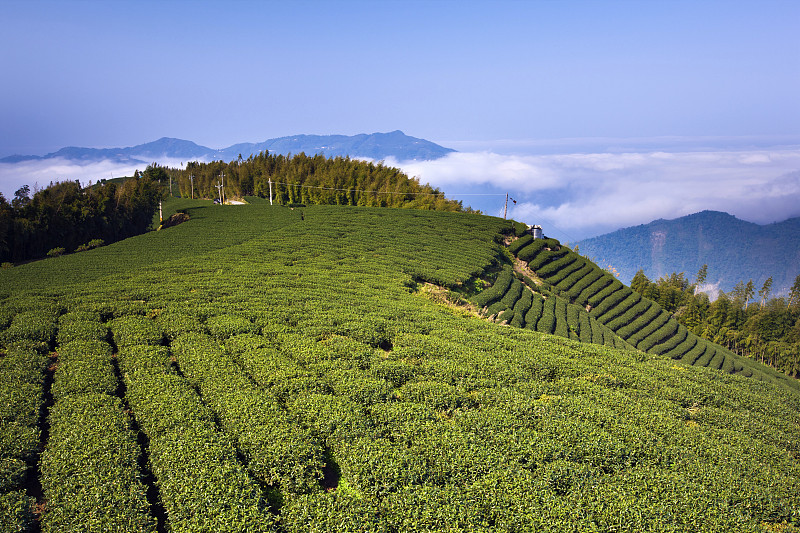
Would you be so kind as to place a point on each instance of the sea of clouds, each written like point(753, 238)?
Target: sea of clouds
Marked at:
point(585, 194)
point(573, 195)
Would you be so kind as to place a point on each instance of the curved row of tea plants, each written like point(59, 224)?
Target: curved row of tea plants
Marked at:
point(639, 321)
point(522, 303)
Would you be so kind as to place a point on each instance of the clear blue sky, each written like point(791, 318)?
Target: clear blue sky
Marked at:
point(114, 73)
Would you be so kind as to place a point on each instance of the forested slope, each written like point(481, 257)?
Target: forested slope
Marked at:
point(290, 376)
point(733, 249)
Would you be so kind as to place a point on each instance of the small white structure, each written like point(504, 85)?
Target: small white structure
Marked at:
point(536, 231)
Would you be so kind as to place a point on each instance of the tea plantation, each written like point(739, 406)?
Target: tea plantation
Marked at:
point(265, 369)
point(574, 298)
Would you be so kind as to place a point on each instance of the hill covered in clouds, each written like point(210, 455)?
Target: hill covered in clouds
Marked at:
point(377, 146)
point(735, 250)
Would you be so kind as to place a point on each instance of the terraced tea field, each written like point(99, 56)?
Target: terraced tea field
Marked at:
point(265, 369)
point(574, 298)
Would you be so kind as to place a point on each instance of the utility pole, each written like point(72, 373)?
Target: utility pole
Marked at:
point(505, 208)
point(191, 180)
point(170, 185)
point(222, 175)
point(219, 191)
point(270, 191)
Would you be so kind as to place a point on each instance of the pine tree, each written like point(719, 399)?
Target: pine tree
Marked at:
point(794, 293)
point(701, 277)
point(765, 290)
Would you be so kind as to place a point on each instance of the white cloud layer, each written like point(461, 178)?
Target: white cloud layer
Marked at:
point(586, 194)
point(572, 195)
point(41, 173)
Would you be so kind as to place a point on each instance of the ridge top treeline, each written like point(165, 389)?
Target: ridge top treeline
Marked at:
point(66, 216)
point(316, 179)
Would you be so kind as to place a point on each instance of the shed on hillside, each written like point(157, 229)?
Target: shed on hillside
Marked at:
point(536, 231)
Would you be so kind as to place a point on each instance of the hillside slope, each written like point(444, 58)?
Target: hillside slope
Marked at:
point(290, 376)
point(735, 250)
point(573, 297)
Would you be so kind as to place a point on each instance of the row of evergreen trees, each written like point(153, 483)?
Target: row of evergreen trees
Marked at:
point(302, 179)
point(65, 216)
point(748, 323)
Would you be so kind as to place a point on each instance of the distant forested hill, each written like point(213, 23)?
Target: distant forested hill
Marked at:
point(734, 249)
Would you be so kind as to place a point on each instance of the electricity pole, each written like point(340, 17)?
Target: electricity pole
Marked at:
point(270, 191)
point(191, 180)
point(505, 208)
point(222, 198)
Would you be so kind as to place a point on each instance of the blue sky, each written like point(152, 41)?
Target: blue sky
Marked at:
point(476, 76)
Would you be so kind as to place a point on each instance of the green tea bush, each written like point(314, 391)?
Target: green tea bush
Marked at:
point(547, 322)
point(551, 435)
point(648, 316)
point(145, 358)
point(608, 297)
point(513, 293)
point(78, 331)
point(359, 388)
point(173, 322)
point(84, 367)
point(562, 325)
point(135, 329)
point(630, 316)
point(21, 398)
point(570, 279)
point(395, 372)
point(546, 257)
point(654, 333)
point(681, 349)
point(333, 418)
point(585, 286)
point(223, 326)
point(277, 451)
point(532, 317)
point(520, 243)
point(506, 316)
point(33, 326)
point(202, 485)
point(695, 353)
point(717, 360)
point(496, 291)
point(523, 303)
point(16, 511)
point(557, 271)
point(531, 250)
point(496, 309)
point(89, 470)
point(708, 355)
point(610, 313)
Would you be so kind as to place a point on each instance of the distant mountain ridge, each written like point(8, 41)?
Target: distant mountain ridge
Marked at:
point(378, 146)
point(735, 250)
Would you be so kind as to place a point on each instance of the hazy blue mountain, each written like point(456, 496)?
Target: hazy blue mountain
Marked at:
point(735, 250)
point(374, 146)
point(377, 146)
